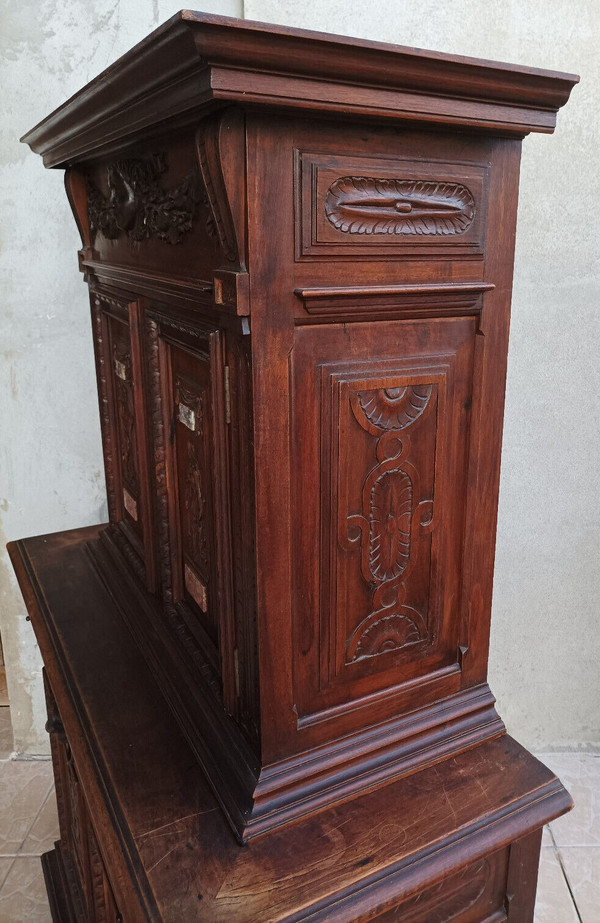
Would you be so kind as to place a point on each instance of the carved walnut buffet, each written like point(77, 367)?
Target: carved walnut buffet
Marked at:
point(299, 252)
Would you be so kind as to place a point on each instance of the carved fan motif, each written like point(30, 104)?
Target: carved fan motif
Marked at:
point(389, 633)
point(365, 205)
point(393, 408)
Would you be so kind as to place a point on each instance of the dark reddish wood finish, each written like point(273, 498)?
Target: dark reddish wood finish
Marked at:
point(142, 828)
point(301, 327)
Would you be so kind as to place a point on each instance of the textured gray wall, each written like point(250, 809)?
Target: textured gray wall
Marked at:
point(51, 472)
point(545, 646)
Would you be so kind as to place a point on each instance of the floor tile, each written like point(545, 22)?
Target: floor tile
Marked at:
point(44, 832)
point(582, 865)
point(24, 786)
point(553, 903)
point(23, 895)
point(6, 734)
point(580, 774)
point(5, 866)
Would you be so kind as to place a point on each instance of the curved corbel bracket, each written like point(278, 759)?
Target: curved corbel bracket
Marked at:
point(220, 143)
point(77, 195)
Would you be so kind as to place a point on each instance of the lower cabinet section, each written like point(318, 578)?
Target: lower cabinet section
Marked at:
point(143, 839)
point(82, 876)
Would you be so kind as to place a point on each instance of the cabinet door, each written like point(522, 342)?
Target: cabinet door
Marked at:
point(381, 454)
point(190, 414)
point(123, 418)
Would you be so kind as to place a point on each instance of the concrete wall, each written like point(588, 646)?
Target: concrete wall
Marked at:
point(545, 648)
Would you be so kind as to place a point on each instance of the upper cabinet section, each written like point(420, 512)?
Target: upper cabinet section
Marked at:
point(196, 62)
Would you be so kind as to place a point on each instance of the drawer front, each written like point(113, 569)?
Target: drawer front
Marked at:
point(476, 894)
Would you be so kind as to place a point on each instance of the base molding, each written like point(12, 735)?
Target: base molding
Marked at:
point(62, 888)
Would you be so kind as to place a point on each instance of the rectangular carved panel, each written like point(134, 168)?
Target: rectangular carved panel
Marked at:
point(384, 485)
point(195, 466)
point(380, 494)
point(359, 206)
point(188, 397)
point(124, 430)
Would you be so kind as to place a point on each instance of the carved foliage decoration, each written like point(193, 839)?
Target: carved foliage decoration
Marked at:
point(392, 513)
point(365, 205)
point(139, 206)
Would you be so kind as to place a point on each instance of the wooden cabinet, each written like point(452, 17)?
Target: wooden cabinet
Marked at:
point(299, 254)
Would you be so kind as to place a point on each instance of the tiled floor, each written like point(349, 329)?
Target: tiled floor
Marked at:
point(569, 882)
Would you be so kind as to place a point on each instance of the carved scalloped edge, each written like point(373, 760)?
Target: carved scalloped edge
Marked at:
point(367, 205)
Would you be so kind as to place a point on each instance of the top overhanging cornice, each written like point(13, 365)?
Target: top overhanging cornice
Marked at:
point(196, 62)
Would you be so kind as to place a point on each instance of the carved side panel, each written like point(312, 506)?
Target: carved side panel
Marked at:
point(151, 215)
point(138, 205)
point(381, 448)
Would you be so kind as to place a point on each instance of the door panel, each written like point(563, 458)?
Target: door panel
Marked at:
point(382, 437)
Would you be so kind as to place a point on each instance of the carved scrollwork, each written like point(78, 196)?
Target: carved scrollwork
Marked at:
point(137, 204)
point(392, 515)
point(366, 205)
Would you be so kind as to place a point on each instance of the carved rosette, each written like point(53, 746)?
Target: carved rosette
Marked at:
point(365, 205)
point(392, 513)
